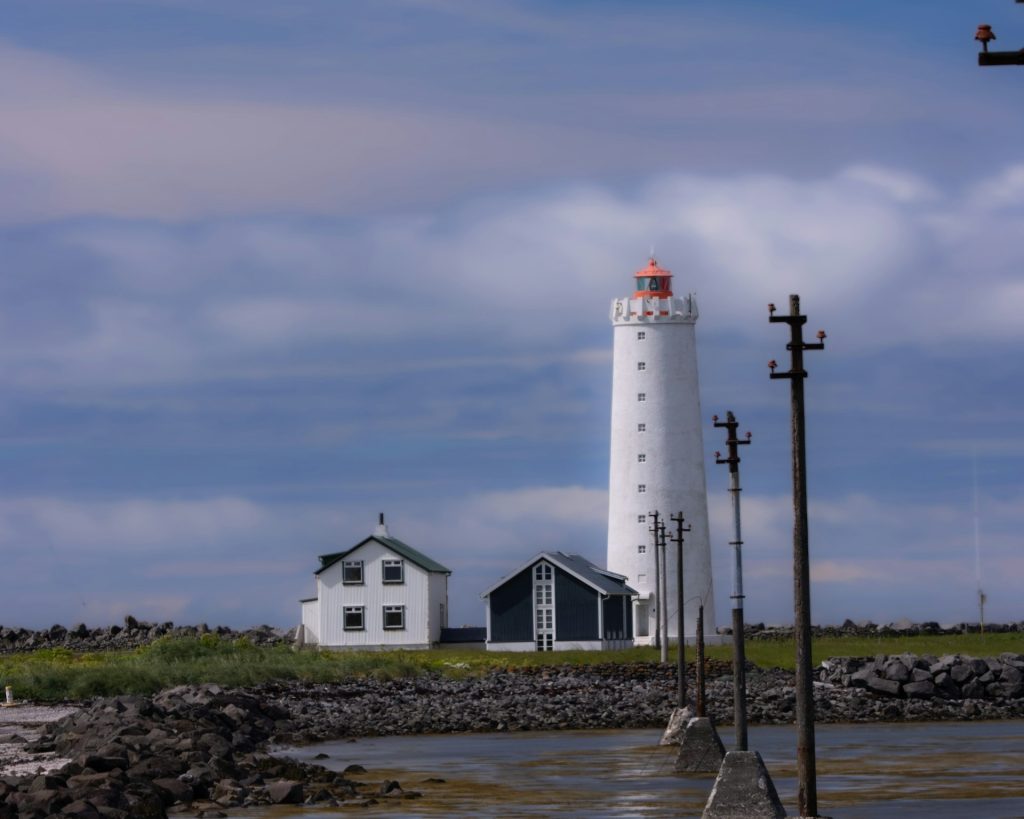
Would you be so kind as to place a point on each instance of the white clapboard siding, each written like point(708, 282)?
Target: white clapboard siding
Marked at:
point(373, 595)
point(438, 606)
point(311, 621)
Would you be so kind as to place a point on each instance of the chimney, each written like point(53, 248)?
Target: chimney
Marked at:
point(382, 529)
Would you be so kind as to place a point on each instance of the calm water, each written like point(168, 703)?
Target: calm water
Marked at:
point(911, 771)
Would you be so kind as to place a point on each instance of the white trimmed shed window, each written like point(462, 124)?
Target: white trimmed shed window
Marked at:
point(352, 573)
point(393, 571)
point(641, 488)
point(641, 458)
point(641, 396)
point(394, 618)
point(640, 335)
point(642, 548)
point(354, 618)
point(641, 427)
point(641, 365)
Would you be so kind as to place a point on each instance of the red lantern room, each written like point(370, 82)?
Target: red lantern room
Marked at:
point(653, 281)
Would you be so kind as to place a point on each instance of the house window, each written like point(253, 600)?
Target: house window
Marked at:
point(394, 571)
point(543, 606)
point(642, 548)
point(394, 618)
point(352, 573)
point(354, 618)
point(641, 365)
point(641, 396)
point(641, 518)
point(641, 488)
point(641, 458)
point(640, 335)
point(641, 427)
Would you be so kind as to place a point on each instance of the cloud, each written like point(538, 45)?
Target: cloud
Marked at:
point(164, 303)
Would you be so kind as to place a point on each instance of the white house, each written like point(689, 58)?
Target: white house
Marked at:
point(557, 601)
point(381, 593)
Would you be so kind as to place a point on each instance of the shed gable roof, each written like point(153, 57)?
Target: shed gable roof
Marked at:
point(392, 543)
point(582, 569)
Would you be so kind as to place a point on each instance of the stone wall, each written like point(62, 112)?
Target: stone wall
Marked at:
point(865, 628)
point(132, 634)
point(951, 677)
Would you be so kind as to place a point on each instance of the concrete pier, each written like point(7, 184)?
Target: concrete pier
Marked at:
point(743, 790)
point(701, 750)
point(677, 723)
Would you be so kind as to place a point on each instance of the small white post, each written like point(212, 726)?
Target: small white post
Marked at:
point(8, 695)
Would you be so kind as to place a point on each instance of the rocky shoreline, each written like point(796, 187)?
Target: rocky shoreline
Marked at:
point(203, 750)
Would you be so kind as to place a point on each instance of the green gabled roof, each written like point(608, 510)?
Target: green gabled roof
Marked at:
point(404, 549)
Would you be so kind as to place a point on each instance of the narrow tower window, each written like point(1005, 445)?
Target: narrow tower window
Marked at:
point(641, 427)
point(641, 488)
point(642, 548)
point(641, 365)
point(641, 458)
point(640, 335)
point(641, 396)
point(641, 518)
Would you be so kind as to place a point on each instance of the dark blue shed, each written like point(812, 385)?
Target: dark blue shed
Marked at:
point(559, 601)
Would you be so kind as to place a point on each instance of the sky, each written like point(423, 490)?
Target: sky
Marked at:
point(270, 269)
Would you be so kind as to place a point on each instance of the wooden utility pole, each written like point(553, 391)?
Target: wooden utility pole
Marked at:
point(663, 591)
point(807, 788)
point(701, 688)
point(656, 531)
point(739, 658)
point(680, 618)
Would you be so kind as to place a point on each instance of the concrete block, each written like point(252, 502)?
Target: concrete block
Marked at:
point(677, 723)
point(743, 790)
point(701, 750)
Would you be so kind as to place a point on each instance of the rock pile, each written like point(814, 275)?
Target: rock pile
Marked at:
point(133, 634)
point(902, 628)
point(198, 746)
point(637, 695)
point(951, 677)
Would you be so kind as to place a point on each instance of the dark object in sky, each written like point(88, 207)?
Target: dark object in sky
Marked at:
point(984, 35)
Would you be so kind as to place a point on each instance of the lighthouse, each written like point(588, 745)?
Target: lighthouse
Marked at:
point(657, 450)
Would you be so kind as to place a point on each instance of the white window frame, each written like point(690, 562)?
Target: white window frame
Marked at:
point(390, 564)
point(346, 611)
point(641, 488)
point(641, 365)
point(641, 458)
point(641, 548)
point(544, 606)
point(352, 564)
point(641, 335)
point(641, 518)
point(399, 610)
point(641, 396)
point(641, 427)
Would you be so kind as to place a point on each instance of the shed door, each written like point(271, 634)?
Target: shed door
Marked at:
point(543, 604)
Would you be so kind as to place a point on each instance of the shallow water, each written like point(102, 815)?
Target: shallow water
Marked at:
point(911, 771)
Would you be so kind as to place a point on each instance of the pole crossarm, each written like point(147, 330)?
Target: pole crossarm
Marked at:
point(986, 35)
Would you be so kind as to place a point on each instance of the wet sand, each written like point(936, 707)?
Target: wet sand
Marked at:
point(21, 724)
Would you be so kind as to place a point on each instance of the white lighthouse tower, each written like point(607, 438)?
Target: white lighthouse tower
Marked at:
point(657, 450)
